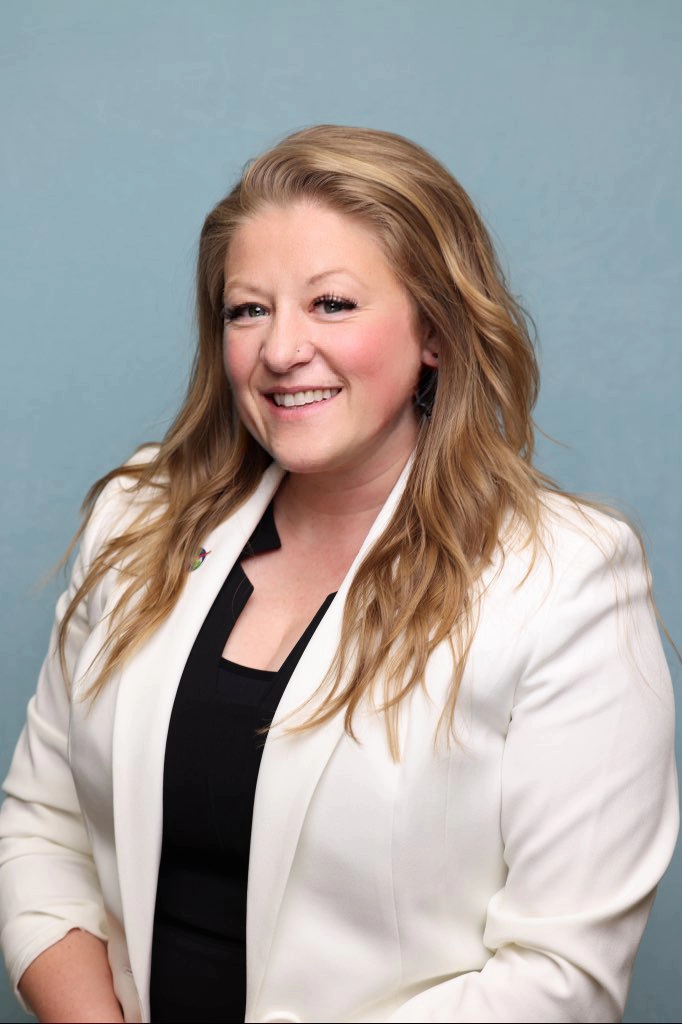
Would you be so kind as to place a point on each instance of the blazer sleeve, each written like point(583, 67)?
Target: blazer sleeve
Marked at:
point(48, 880)
point(589, 806)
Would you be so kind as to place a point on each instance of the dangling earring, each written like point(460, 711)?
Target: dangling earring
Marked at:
point(425, 394)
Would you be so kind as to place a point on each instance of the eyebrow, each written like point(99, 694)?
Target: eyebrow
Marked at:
point(328, 273)
point(237, 283)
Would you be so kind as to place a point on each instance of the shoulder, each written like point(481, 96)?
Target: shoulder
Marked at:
point(579, 557)
point(570, 533)
point(570, 523)
point(131, 493)
point(573, 614)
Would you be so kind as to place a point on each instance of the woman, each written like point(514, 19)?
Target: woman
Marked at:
point(467, 794)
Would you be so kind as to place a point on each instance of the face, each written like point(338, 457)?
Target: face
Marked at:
point(321, 345)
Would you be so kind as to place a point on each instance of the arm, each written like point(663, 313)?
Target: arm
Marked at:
point(48, 881)
point(589, 807)
point(71, 981)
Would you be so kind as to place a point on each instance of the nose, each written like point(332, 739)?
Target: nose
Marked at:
point(286, 344)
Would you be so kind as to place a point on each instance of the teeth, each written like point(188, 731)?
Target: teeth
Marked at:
point(305, 397)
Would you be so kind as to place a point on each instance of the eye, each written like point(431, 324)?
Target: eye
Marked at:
point(244, 311)
point(334, 304)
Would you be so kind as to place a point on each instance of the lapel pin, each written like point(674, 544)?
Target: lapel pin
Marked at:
point(198, 559)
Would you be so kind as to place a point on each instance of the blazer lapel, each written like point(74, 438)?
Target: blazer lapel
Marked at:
point(147, 688)
point(290, 769)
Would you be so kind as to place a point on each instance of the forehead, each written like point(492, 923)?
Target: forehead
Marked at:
point(307, 238)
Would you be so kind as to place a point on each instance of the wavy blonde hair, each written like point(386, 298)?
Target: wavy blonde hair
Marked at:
point(473, 460)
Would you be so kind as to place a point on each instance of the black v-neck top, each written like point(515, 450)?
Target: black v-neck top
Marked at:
point(213, 755)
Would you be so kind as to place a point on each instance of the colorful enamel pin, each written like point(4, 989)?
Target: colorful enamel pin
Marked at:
point(198, 559)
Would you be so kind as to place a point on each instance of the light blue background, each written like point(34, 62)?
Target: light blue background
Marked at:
point(123, 123)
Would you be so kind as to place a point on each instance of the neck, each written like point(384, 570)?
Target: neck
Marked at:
point(330, 507)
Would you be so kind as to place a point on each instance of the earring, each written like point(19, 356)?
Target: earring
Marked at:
point(425, 394)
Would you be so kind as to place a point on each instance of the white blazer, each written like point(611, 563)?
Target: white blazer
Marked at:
point(505, 878)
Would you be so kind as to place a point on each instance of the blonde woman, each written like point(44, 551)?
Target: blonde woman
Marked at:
point(350, 714)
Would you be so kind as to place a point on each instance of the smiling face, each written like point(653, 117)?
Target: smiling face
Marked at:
point(322, 347)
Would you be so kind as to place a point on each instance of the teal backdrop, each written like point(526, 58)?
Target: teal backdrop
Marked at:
point(122, 124)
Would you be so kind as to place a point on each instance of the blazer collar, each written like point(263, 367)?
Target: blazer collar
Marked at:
point(146, 692)
point(290, 769)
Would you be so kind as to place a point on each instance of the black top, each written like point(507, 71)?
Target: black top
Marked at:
point(212, 759)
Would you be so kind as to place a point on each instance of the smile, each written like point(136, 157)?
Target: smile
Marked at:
point(304, 397)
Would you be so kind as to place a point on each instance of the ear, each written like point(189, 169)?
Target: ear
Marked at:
point(430, 347)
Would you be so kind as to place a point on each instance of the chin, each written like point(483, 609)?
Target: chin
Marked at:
point(306, 467)
point(307, 462)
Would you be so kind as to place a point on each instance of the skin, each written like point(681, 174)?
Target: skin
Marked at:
point(287, 330)
point(71, 981)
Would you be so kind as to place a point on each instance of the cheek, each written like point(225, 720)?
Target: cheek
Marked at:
point(236, 362)
point(385, 351)
point(238, 366)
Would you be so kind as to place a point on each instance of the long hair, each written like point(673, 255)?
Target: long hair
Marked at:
point(473, 459)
